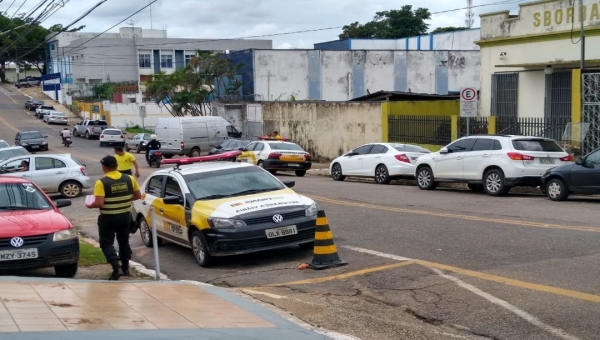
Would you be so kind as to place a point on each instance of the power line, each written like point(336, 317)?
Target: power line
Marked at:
point(18, 9)
point(12, 3)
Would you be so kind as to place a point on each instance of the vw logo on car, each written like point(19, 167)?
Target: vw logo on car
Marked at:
point(277, 218)
point(16, 242)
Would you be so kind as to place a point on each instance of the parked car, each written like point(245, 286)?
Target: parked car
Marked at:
point(491, 163)
point(31, 140)
point(61, 174)
point(580, 178)
point(27, 102)
point(4, 144)
point(276, 156)
point(34, 233)
point(112, 137)
point(55, 117)
point(137, 142)
point(90, 128)
point(382, 161)
point(34, 104)
point(12, 151)
point(42, 109)
point(229, 145)
point(27, 82)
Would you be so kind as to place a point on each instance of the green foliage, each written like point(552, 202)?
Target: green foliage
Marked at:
point(392, 24)
point(187, 91)
point(90, 255)
point(104, 91)
point(448, 29)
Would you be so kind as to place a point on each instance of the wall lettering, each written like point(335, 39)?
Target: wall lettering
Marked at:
point(557, 16)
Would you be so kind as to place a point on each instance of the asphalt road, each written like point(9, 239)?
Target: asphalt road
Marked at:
point(422, 265)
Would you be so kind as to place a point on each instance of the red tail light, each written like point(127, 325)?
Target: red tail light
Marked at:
point(515, 156)
point(121, 136)
point(158, 154)
point(274, 155)
point(308, 157)
point(82, 169)
point(182, 144)
point(568, 158)
point(402, 158)
point(101, 136)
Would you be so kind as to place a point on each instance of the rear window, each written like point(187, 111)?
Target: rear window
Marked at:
point(38, 102)
point(544, 145)
point(58, 114)
point(47, 107)
point(98, 123)
point(285, 146)
point(112, 132)
point(410, 148)
point(6, 154)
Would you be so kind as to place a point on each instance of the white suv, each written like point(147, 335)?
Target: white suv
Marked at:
point(491, 163)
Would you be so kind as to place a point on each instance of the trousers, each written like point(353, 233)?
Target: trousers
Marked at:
point(126, 172)
point(110, 226)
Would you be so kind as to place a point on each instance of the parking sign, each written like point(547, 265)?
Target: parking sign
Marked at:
point(468, 102)
point(142, 111)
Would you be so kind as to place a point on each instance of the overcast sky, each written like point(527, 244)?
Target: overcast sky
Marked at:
point(244, 18)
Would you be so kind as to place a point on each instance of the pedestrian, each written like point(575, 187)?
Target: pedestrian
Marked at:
point(276, 135)
point(153, 145)
point(113, 195)
point(126, 161)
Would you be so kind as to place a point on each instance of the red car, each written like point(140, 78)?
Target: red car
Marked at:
point(33, 232)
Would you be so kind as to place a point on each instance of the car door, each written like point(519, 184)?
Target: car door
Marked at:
point(131, 142)
point(173, 215)
point(477, 159)
point(48, 173)
point(374, 158)
point(248, 153)
point(152, 197)
point(451, 164)
point(10, 168)
point(259, 152)
point(587, 178)
point(352, 163)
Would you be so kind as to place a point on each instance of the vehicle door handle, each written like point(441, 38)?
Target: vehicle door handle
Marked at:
point(486, 155)
point(459, 159)
point(378, 157)
point(360, 159)
point(60, 173)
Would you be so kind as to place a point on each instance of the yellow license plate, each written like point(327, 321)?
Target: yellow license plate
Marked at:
point(292, 158)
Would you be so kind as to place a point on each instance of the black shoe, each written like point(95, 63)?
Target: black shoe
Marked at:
point(126, 271)
point(116, 274)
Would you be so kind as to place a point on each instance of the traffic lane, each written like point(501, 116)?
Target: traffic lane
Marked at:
point(579, 211)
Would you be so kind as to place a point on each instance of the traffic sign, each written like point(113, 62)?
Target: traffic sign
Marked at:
point(142, 111)
point(468, 102)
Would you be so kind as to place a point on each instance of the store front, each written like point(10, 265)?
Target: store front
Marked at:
point(530, 67)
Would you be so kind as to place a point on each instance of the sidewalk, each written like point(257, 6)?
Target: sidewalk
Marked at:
point(49, 309)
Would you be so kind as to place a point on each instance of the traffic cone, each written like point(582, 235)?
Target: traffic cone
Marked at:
point(325, 251)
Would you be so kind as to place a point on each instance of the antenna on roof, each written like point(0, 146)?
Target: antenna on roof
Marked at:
point(131, 23)
point(469, 15)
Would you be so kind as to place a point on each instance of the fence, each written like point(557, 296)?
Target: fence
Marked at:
point(477, 126)
point(432, 130)
point(539, 127)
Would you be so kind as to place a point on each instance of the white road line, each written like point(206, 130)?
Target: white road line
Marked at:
point(274, 296)
point(523, 314)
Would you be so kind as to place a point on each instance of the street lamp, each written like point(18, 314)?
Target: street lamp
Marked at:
point(548, 70)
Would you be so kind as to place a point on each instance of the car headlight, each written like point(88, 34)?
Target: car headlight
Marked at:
point(226, 223)
point(44, 143)
point(312, 210)
point(24, 144)
point(65, 235)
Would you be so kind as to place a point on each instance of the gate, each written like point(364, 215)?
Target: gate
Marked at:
point(591, 111)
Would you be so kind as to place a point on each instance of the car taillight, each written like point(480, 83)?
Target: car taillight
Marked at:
point(568, 158)
point(308, 157)
point(274, 155)
point(121, 136)
point(182, 144)
point(101, 136)
point(82, 171)
point(515, 156)
point(402, 158)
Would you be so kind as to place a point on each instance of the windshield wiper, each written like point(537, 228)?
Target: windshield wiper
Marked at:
point(214, 197)
point(254, 191)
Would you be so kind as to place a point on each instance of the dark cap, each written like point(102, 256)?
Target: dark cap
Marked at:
point(109, 162)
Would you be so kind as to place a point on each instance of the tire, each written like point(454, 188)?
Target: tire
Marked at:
point(273, 172)
point(138, 149)
point(70, 189)
point(493, 183)
point(260, 164)
point(87, 135)
point(75, 134)
point(336, 172)
point(382, 176)
point(66, 271)
point(195, 152)
point(557, 190)
point(307, 245)
point(101, 144)
point(146, 234)
point(425, 180)
point(127, 148)
point(475, 187)
point(300, 173)
point(199, 248)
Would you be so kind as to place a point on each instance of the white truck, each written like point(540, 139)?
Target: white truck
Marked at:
point(89, 128)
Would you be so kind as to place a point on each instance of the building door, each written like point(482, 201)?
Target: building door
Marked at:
point(557, 106)
point(505, 102)
point(591, 111)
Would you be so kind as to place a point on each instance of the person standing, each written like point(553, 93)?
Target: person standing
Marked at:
point(113, 195)
point(153, 145)
point(126, 161)
point(276, 135)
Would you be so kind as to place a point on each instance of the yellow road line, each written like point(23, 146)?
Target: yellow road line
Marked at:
point(463, 217)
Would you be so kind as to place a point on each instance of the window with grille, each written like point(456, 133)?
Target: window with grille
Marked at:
point(145, 61)
point(505, 95)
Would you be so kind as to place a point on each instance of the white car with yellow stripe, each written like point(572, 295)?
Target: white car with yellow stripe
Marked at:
point(275, 155)
point(224, 208)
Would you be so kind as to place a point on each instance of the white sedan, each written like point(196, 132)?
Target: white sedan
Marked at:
point(382, 161)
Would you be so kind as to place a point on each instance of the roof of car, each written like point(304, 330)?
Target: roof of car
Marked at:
point(11, 148)
point(505, 136)
point(9, 179)
point(205, 167)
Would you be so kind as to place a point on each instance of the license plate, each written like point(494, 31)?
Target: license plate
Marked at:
point(546, 160)
point(20, 254)
point(35, 146)
point(281, 232)
point(293, 164)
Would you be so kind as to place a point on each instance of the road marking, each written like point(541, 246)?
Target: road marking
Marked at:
point(274, 296)
point(526, 316)
point(462, 217)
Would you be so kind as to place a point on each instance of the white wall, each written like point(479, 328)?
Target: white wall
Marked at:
point(463, 70)
point(375, 44)
point(532, 88)
point(460, 40)
point(379, 70)
point(51, 95)
point(126, 115)
point(281, 74)
point(421, 72)
point(336, 74)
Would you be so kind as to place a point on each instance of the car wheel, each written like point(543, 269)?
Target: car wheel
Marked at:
point(146, 234)
point(138, 149)
point(557, 190)
point(425, 180)
point(199, 248)
point(195, 152)
point(70, 189)
point(87, 135)
point(260, 164)
point(493, 183)
point(75, 133)
point(336, 172)
point(381, 175)
point(66, 271)
point(475, 187)
point(300, 173)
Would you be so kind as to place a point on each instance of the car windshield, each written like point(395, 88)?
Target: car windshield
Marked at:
point(146, 136)
point(31, 135)
point(6, 154)
point(22, 196)
point(285, 146)
point(98, 122)
point(545, 145)
point(4, 144)
point(112, 132)
point(410, 148)
point(231, 182)
point(47, 107)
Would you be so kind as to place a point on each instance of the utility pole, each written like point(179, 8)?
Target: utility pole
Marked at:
point(469, 15)
point(582, 34)
point(17, 64)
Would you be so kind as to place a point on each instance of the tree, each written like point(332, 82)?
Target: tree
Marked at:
point(448, 29)
point(189, 90)
point(392, 24)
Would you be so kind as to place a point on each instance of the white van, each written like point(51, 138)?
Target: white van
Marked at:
point(192, 135)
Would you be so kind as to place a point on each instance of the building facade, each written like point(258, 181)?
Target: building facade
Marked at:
point(344, 75)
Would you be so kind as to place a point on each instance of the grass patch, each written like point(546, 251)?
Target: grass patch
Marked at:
point(90, 255)
point(137, 129)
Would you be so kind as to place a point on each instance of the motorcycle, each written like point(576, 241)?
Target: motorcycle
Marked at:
point(67, 141)
point(155, 159)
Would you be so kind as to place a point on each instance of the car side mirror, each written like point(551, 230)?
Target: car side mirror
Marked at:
point(289, 184)
point(350, 154)
point(218, 147)
point(580, 161)
point(63, 203)
point(444, 151)
point(172, 200)
point(242, 149)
